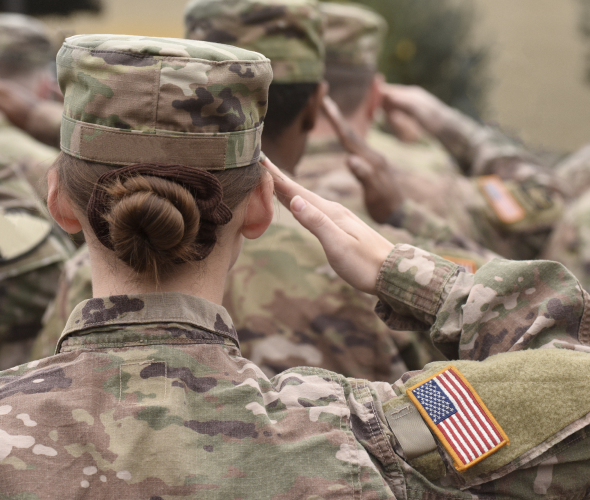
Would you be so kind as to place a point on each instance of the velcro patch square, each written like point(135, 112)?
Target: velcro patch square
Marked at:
point(456, 414)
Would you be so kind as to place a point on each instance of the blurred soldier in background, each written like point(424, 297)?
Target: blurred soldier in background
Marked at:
point(32, 250)
point(509, 203)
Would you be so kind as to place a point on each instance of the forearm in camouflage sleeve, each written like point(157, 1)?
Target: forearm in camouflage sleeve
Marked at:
point(505, 306)
point(420, 222)
point(482, 150)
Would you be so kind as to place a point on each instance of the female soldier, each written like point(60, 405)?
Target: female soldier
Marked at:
point(148, 395)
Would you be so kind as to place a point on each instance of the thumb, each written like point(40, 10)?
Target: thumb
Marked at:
point(317, 223)
point(360, 168)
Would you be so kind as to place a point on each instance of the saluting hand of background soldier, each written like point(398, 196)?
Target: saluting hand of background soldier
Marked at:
point(353, 249)
point(376, 174)
point(414, 103)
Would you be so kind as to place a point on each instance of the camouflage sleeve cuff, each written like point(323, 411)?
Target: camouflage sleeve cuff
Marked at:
point(411, 286)
point(420, 222)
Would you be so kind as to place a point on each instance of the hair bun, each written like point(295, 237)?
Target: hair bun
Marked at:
point(153, 223)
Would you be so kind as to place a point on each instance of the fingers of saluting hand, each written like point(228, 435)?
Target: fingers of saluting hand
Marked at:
point(349, 139)
point(286, 189)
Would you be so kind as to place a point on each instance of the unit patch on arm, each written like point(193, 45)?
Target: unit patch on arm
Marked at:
point(502, 201)
point(456, 414)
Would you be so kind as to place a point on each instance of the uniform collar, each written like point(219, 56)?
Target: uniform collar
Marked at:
point(144, 319)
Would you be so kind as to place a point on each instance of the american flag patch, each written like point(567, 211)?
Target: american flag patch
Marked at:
point(457, 415)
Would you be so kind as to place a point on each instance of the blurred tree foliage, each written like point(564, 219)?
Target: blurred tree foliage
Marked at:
point(429, 44)
point(585, 27)
point(48, 7)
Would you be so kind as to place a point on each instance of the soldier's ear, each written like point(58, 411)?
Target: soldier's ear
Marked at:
point(260, 209)
point(313, 107)
point(60, 207)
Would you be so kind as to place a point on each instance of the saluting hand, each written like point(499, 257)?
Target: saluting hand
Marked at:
point(374, 172)
point(353, 249)
point(419, 104)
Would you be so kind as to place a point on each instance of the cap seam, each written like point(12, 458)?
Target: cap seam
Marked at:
point(157, 92)
point(169, 133)
point(185, 58)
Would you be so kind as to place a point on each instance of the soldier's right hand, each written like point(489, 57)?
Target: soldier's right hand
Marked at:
point(377, 175)
point(354, 250)
point(429, 111)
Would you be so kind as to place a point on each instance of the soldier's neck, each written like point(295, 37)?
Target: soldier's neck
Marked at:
point(202, 279)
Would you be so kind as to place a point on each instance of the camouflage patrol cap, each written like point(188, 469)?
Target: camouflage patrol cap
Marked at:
point(131, 99)
point(353, 35)
point(288, 32)
point(25, 42)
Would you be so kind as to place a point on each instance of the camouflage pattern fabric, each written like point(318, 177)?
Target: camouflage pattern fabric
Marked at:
point(353, 35)
point(25, 42)
point(166, 368)
point(570, 240)
point(33, 157)
point(27, 282)
point(28, 278)
point(288, 32)
point(574, 172)
point(290, 309)
point(425, 156)
point(136, 99)
point(74, 286)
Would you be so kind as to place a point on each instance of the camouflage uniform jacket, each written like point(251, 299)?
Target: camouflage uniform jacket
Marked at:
point(149, 397)
point(570, 240)
point(17, 146)
point(31, 260)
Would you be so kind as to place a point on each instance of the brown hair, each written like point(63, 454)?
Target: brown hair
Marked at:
point(153, 222)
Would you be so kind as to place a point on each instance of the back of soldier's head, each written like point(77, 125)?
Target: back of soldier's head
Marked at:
point(288, 32)
point(353, 36)
point(26, 46)
point(160, 141)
